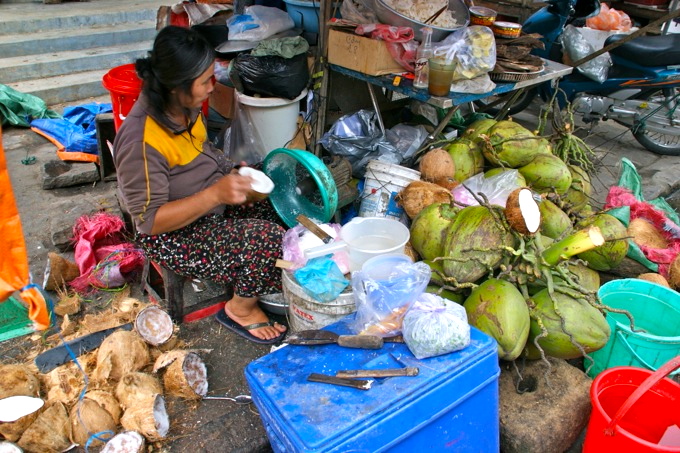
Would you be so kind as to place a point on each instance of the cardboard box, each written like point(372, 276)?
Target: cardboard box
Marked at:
point(365, 55)
point(222, 100)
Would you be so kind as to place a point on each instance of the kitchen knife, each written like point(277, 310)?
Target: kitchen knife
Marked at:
point(314, 228)
point(380, 373)
point(317, 337)
point(59, 355)
point(354, 383)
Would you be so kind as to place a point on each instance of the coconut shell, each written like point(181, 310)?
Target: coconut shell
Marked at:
point(120, 353)
point(674, 273)
point(186, 376)
point(447, 182)
point(419, 195)
point(655, 278)
point(60, 272)
point(18, 380)
point(137, 386)
point(148, 417)
point(646, 234)
point(522, 212)
point(107, 401)
point(50, 432)
point(12, 431)
point(411, 252)
point(154, 325)
point(125, 442)
point(88, 417)
point(436, 164)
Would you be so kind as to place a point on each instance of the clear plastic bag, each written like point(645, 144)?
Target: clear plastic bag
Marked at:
point(257, 23)
point(358, 11)
point(298, 239)
point(434, 326)
point(496, 188)
point(610, 19)
point(473, 49)
point(576, 47)
point(383, 297)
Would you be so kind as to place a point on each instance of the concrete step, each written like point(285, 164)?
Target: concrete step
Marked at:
point(19, 44)
point(66, 88)
point(42, 66)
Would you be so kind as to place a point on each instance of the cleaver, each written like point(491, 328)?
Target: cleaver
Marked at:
point(317, 337)
point(59, 355)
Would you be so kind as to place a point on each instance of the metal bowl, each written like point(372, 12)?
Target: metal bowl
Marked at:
point(387, 15)
point(274, 303)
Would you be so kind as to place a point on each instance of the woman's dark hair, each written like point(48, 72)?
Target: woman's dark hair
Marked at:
point(178, 57)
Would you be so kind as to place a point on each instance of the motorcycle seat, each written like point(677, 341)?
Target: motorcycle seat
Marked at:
point(660, 50)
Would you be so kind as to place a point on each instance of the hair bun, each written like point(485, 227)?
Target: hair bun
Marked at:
point(144, 68)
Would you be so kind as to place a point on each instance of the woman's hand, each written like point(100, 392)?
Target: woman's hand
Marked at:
point(232, 188)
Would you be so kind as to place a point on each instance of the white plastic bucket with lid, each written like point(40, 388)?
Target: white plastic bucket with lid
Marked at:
point(365, 238)
point(273, 120)
point(383, 181)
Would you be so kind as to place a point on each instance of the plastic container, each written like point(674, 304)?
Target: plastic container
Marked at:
point(273, 119)
point(305, 14)
point(480, 15)
point(451, 405)
point(503, 29)
point(305, 313)
point(653, 342)
point(124, 87)
point(634, 410)
point(383, 181)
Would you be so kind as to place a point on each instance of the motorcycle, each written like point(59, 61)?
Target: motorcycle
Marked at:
point(640, 92)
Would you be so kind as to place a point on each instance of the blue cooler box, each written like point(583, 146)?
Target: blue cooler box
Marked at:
point(452, 404)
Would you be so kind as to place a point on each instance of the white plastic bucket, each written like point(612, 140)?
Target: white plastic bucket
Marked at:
point(273, 120)
point(305, 313)
point(383, 181)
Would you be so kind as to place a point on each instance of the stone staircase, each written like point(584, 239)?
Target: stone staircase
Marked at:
point(60, 52)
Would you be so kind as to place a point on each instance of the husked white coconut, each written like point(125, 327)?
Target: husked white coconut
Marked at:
point(186, 375)
point(148, 417)
point(87, 418)
point(18, 380)
point(154, 325)
point(9, 447)
point(13, 408)
point(125, 442)
point(50, 432)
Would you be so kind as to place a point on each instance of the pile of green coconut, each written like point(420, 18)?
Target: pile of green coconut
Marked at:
point(526, 271)
point(113, 399)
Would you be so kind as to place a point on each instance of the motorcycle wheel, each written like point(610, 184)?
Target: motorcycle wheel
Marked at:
point(658, 142)
point(520, 104)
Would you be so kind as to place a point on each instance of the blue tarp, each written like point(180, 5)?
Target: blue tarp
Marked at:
point(76, 130)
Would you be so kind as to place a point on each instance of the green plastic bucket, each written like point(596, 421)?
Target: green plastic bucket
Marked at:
point(656, 338)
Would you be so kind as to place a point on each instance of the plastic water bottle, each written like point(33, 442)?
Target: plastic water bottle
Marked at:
point(423, 54)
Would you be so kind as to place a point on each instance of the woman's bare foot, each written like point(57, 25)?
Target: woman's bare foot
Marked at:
point(245, 311)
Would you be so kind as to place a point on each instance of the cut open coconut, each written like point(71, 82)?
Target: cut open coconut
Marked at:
point(646, 234)
point(186, 375)
point(137, 386)
point(13, 408)
point(107, 401)
point(91, 422)
point(148, 417)
point(154, 325)
point(522, 211)
point(50, 432)
point(120, 353)
point(125, 442)
point(9, 447)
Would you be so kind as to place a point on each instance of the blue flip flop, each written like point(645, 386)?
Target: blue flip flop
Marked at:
point(244, 331)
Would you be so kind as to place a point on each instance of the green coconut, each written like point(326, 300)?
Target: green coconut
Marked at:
point(554, 221)
point(478, 127)
point(467, 157)
point(547, 172)
point(519, 179)
point(445, 293)
point(497, 308)
point(437, 274)
point(610, 254)
point(511, 145)
point(473, 241)
point(577, 320)
point(580, 190)
point(428, 229)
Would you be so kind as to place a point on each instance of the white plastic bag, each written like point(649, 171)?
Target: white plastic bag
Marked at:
point(257, 23)
point(576, 47)
point(435, 326)
point(496, 188)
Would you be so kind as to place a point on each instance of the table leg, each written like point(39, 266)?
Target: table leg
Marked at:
point(506, 107)
point(376, 107)
point(442, 124)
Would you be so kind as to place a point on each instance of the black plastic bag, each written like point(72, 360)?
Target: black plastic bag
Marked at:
point(270, 75)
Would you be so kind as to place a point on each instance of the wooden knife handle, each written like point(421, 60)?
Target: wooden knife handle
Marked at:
point(360, 341)
point(314, 228)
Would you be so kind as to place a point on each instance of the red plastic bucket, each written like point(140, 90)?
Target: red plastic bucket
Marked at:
point(632, 410)
point(124, 86)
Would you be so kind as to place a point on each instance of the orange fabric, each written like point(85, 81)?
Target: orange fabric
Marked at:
point(14, 262)
point(67, 155)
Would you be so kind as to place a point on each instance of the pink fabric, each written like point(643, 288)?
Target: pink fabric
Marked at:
point(620, 196)
point(399, 41)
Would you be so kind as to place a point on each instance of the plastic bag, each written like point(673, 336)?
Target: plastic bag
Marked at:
point(298, 239)
point(406, 139)
point(610, 19)
point(258, 22)
point(358, 11)
point(321, 279)
point(18, 109)
point(480, 84)
point(435, 326)
point(473, 49)
point(358, 138)
point(577, 47)
point(383, 297)
point(496, 188)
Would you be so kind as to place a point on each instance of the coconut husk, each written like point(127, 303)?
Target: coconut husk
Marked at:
point(120, 353)
point(436, 164)
point(447, 182)
point(674, 273)
point(50, 432)
point(646, 234)
point(522, 211)
point(87, 418)
point(148, 417)
point(59, 272)
point(654, 278)
point(125, 442)
point(18, 380)
point(68, 303)
point(185, 375)
point(137, 386)
point(64, 383)
point(12, 431)
point(107, 401)
point(154, 325)
point(420, 194)
point(411, 252)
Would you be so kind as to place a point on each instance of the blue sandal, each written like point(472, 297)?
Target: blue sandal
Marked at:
point(244, 331)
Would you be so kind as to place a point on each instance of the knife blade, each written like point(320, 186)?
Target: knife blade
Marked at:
point(354, 383)
point(59, 355)
point(381, 373)
point(314, 337)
